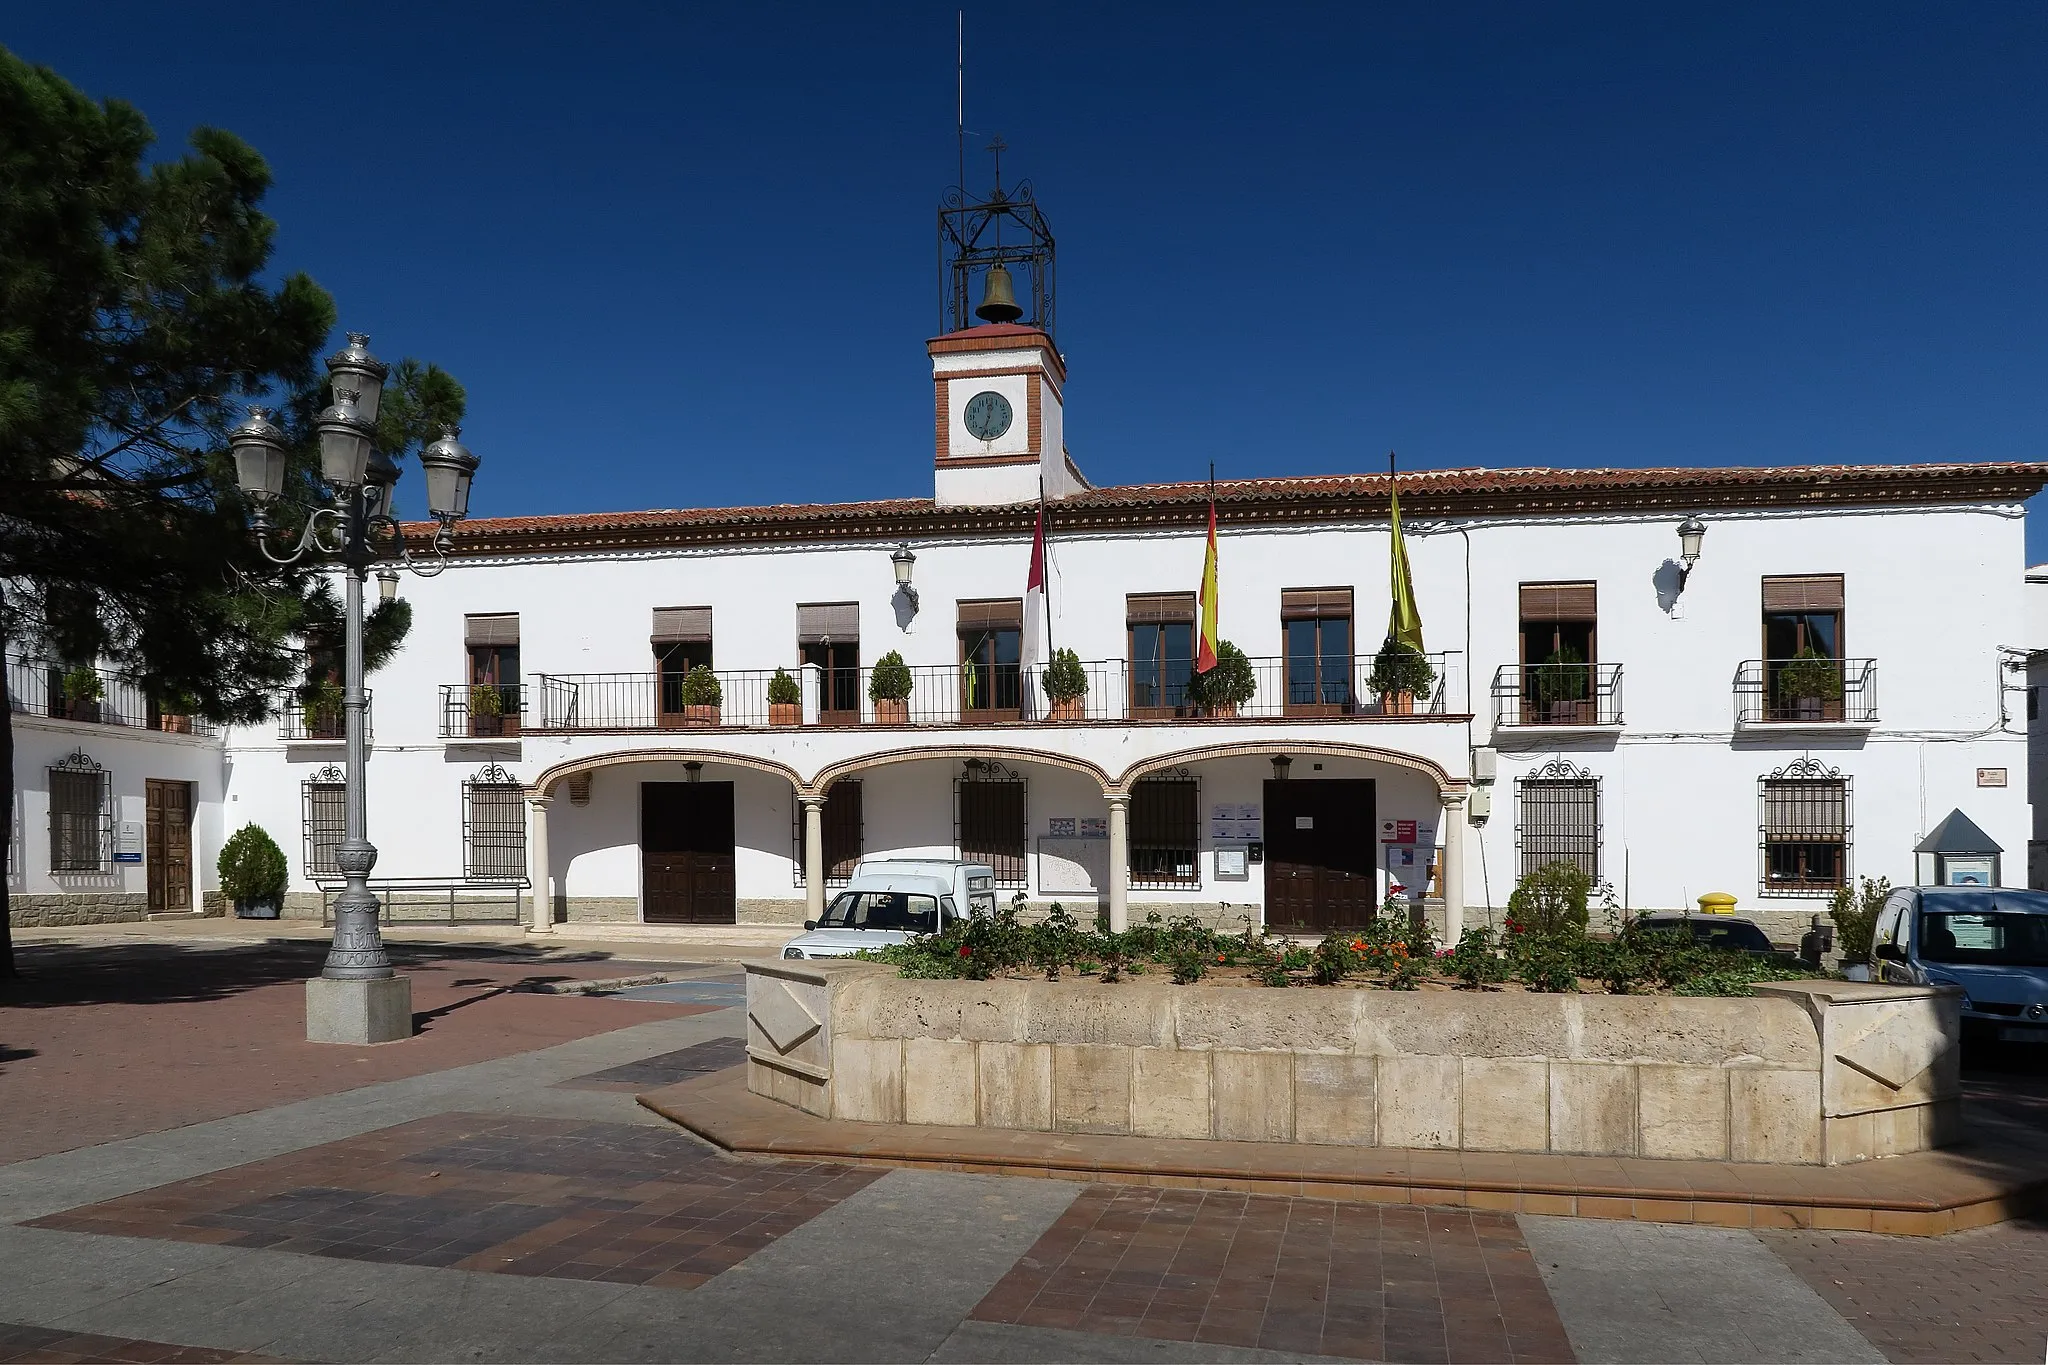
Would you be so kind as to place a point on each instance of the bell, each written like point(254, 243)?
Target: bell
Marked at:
point(998, 299)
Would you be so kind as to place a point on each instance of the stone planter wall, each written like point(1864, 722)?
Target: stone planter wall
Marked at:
point(1806, 1073)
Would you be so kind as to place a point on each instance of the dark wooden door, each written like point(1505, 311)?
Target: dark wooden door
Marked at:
point(686, 853)
point(168, 853)
point(1321, 837)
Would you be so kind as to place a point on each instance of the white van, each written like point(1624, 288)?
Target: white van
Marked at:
point(889, 899)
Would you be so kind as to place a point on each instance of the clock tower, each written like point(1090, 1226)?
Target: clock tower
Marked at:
point(998, 380)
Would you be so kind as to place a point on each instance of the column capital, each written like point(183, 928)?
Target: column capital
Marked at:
point(539, 802)
point(1452, 797)
point(1117, 800)
point(811, 802)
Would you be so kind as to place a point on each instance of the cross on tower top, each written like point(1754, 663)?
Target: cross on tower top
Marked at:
point(997, 147)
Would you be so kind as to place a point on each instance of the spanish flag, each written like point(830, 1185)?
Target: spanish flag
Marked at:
point(1404, 626)
point(1205, 650)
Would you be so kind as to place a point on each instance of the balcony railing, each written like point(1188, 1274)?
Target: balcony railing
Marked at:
point(37, 687)
point(482, 710)
point(1557, 694)
point(302, 722)
point(943, 694)
point(1806, 691)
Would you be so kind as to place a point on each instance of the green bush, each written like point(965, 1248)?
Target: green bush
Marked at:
point(1810, 676)
point(1230, 683)
point(1562, 676)
point(486, 700)
point(1854, 911)
point(889, 680)
point(321, 703)
point(1065, 680)
point(1398, 668)
point(700, 688)
point(1189, 964)
point(783, 691)
point(251, 866)
point(1551, 901)
point(82, 684)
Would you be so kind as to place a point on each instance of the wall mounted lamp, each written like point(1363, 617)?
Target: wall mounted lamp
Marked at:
point(903, 561)
point(693, 772)
point(1281, 763)
point(1691, 532)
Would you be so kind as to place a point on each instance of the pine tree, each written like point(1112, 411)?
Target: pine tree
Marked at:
point(135, 322)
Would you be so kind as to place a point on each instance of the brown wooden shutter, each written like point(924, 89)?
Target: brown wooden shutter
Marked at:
point(838, 622)
point(1002, 614)
point(500, 629)
point(682, 625)
point(1141, 608)
point(1806, 592)
point(1303, 604)
point(1560, 602)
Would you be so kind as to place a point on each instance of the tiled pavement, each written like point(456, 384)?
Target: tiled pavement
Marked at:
point(1980, 1295)
point(1369, 1282)
point(666, 1069)
point(508, 1195)
point(24, 1344)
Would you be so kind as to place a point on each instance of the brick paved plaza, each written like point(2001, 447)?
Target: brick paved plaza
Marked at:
point(181, 1179)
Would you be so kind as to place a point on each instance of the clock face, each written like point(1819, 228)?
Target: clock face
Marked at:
point(988, 415)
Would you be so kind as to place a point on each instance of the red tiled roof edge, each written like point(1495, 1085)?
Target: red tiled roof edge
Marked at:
point(1246, 502)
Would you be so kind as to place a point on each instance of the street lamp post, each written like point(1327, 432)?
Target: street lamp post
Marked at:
point(358, 997)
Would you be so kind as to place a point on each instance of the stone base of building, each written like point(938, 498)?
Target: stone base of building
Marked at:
point(64, 909)
point(377, 1011)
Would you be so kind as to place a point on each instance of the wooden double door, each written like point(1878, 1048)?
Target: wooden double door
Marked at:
point(686, 853)
point(1321, 837)
point(167, 852)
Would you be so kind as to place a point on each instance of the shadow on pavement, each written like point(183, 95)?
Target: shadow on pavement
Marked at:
point(56, 974)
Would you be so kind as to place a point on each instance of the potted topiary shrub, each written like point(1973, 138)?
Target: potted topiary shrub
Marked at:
point(889, 689)
point(1227, 686)
point(1810, 686)
point(702, 696)
point(1399, 675)
point(785, 700)
point(252, 873)
point(320, 707)
point(1066, 686)
point(1561, 687)
point(82, 690)
point(487, 718)
point(174, 713)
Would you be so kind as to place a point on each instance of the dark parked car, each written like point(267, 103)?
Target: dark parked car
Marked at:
point(1731, 932)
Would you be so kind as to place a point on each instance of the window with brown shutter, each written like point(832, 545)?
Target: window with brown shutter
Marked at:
point(1316, 641)
point(492, 642)
point(991, 637)
point(1162, 643)
point(828, 635)
point(1803, 620)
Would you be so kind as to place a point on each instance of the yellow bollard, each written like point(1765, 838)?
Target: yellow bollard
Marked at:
point(1717, 903)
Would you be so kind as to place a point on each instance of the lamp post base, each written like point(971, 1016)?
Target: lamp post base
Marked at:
point(375, 1011)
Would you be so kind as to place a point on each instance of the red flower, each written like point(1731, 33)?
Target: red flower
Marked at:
point(1221, 958)
point(966, 951)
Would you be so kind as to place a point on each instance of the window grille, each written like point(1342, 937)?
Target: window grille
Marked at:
point(990, 820)
point(81, 815)
point(326, 820)
point(1558, 818)
point(493, 825)
point(1165, 820)
point(845, 834)
point(1804, 830)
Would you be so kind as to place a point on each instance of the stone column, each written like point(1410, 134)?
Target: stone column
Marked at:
point(1119, 862)
point(1454, 866)
point(814, 857)
point(538, 872)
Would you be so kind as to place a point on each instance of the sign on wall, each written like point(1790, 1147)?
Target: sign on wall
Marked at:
point(1991, 777)
point(1233, 820)
point(128, 842)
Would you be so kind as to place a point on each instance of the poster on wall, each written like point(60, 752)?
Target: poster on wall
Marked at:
point(128, 842)
point(1060, 826)
point(1398, 832)
point(1234, 820)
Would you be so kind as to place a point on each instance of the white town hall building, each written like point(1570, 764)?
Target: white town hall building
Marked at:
point(1769, 721)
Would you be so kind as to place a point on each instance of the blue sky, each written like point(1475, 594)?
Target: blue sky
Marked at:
point(684, 255)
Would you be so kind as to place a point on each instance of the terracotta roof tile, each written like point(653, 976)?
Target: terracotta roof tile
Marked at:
point(1475, 491)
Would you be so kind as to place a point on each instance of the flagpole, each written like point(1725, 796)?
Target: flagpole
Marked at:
point(1045, 534)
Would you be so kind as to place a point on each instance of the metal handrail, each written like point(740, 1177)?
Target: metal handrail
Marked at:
point(303, 722)
point(35, 687)
point(1806, 691)
point(1541, 694)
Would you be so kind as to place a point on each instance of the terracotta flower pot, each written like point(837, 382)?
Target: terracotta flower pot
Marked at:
point(1223, 710)
point(700, 717)
point(892, 712)
point(1072, 709)
point(785, 713)
point(1397, 704)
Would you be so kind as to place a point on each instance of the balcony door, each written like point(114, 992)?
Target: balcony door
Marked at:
point(1162, 638)
point(1315, 625)
point(1803, 648)
point(681, 642)
point(991, 636)
point(1560, 639)
point(828, 637)
point(687, 853)
point(492, 643)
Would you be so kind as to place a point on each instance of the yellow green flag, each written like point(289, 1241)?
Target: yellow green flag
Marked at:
point(1405, 624)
